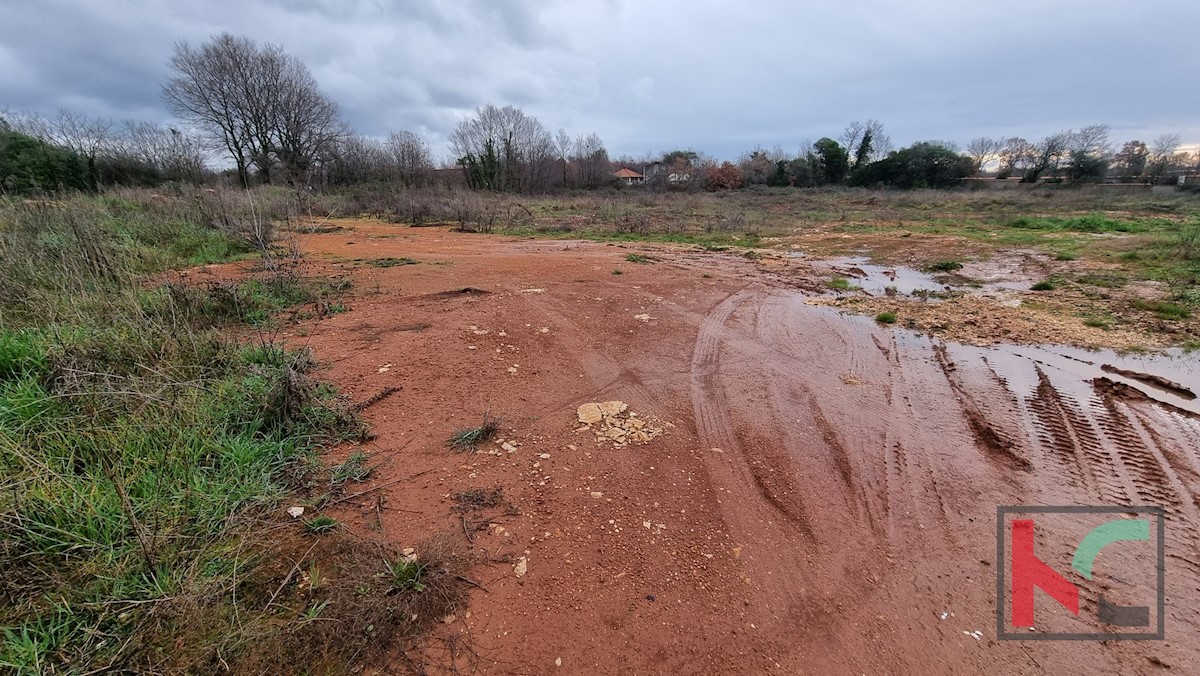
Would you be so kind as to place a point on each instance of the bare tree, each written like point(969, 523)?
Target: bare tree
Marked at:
point(1016, 155)
point(1162, 152)
point(590, 159)
point(866, 141)
point(1091, 140)
point(204, 92)
point(852, 136)
point(411, 156)
point(563, 144)
point(165, 153)
point(983, 150)
point(523, 149)
point(306, 125)
point(756, 166)
point(259, 104)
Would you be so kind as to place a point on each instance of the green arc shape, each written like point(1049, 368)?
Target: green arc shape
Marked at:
point(1103, 535)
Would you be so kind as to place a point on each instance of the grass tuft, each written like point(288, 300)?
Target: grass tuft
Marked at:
point(470, 438)
point(320, 525)
point(944, 266)
point(886, 317)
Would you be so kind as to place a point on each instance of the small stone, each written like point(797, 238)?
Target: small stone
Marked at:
point(544, 456)
point(295, 512)
point(558, 661)
point(522, 567)
point(597, 494)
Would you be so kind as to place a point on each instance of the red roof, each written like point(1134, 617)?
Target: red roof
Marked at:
point(625, 172)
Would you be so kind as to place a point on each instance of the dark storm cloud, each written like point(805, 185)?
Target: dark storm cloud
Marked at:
point(649, 76)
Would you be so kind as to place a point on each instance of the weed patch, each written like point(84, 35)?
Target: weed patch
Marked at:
point(470, 438)
point(390, 262)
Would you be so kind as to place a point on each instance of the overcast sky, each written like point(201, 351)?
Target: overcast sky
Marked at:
point(652, 75)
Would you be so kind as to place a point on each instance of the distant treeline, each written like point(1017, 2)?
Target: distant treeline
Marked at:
point(257, 109)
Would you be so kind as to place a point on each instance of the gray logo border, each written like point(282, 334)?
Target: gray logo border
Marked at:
point(1160, 567)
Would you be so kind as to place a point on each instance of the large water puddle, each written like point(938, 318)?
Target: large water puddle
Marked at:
point(879, 280)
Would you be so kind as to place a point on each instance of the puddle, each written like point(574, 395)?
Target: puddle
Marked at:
point(875, 279)
point(997, 275)
point(1172, 378)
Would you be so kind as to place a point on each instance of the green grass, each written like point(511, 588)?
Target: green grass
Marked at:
point(1095, 223)
point(140, 448)
point(1163, 309)
point(1108, 280)
point(405, 574)
point(638, 258)
point(1044, 285)
point(839, 283)
point(319, 525)
point(353, 469)
point(886, 317)
point(470, 438)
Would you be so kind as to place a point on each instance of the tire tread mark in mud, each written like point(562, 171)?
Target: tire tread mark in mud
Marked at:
point(714, 426)
point(999, 445)
point(1183, 543)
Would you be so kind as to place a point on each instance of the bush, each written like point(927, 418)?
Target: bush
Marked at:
point(886, 317)
point(923, 165)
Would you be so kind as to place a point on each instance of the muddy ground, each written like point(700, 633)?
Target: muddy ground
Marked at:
point(821, 494)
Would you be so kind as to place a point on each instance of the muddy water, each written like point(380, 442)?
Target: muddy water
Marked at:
point(868, 462)
point(876, 279)
point(1172, 378)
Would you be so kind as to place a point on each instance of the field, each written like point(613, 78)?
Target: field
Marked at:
point(812, 404)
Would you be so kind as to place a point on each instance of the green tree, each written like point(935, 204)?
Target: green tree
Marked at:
point(923, 165)
point(834, 160)
point(863, 154)
point(29, 165)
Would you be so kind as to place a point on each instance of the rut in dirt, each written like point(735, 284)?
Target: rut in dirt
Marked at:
point(843, 451)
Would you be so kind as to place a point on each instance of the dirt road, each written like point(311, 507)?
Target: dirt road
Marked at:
point(824, 503)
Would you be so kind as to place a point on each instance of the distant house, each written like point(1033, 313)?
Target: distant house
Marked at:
point(654, 170)
point(629, 176)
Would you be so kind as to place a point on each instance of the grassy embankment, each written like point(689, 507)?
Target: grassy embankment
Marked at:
point(145, 453)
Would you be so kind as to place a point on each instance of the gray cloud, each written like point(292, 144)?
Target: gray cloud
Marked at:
point(650, 76)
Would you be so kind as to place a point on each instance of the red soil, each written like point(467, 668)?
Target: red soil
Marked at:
point(825, 502)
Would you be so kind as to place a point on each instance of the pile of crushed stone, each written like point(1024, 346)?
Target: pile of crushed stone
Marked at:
point(612, 421)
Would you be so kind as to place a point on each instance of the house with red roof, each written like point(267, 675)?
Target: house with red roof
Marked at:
point(628, 176)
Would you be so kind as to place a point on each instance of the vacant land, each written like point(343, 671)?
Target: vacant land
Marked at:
point(808, 406)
